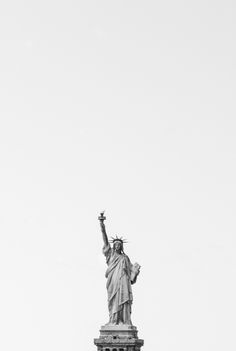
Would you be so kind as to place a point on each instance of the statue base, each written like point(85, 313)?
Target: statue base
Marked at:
point(120, 337)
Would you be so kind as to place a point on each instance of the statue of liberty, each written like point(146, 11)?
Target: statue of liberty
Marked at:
point(120, 275)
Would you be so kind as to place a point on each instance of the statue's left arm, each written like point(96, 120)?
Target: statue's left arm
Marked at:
point(135, 270)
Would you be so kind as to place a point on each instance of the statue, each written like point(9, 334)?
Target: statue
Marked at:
point(120, 275)
point(118, 333)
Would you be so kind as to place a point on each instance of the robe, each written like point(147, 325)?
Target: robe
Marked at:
point(118, 285)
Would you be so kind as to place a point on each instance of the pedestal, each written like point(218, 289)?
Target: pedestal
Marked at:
point(119, 337)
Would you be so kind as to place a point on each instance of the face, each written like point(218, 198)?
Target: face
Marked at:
point(117, 246)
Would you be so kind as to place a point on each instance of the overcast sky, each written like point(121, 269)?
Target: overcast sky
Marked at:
point(127, 106)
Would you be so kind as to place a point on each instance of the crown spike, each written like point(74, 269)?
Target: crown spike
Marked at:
point(123, 241)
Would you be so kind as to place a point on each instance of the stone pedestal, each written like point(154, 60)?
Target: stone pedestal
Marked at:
point(120, 337)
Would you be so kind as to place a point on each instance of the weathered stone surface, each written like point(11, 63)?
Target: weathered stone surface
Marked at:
point(123, 330)
point(118, 338)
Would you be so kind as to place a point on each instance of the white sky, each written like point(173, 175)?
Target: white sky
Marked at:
point(127, 106)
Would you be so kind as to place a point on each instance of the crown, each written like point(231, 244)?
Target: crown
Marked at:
point(121, 240)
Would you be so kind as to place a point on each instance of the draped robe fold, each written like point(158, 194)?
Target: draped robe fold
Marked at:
point(118, 285)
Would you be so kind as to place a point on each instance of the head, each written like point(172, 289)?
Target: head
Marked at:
point(118, 246)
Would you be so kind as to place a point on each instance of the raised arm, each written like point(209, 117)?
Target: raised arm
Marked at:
point(103, 228)
point(104, 234)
